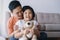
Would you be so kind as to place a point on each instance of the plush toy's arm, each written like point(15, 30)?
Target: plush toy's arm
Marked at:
point(19, 32)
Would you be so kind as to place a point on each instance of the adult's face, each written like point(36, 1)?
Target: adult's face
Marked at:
point(17, 12)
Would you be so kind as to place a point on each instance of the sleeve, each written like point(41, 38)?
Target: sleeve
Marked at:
point(35, 24)
point(10, 26)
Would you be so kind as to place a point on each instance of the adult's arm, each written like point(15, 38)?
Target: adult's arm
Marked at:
point(10, 27)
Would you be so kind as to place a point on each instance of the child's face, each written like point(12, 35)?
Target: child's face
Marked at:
point(27, 15)
point(17, 12)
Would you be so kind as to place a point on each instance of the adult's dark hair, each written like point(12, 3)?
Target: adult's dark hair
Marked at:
point(13, 5)
point(30, 8)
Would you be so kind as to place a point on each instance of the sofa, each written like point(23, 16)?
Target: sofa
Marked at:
point(50, 23)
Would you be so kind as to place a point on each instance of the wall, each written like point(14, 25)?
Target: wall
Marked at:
point(0, 16)
point(50, 6)
point(3, 16)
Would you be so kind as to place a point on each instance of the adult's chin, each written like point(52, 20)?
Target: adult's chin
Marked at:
point(27, 19)
point(19, 17)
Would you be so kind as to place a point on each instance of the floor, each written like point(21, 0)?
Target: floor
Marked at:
point(54, 38)
point(1, 38)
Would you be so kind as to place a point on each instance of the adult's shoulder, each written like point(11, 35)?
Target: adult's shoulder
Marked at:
point(10, 19)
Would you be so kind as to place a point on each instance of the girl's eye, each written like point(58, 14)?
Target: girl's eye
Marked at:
point(17, 12)
point(30, 12)
point(25, 12)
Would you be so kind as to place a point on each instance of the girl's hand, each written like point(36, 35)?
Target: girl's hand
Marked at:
point(32, 31)
point(26, 31)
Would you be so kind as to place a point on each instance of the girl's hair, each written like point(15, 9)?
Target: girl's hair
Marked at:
point(30, 8)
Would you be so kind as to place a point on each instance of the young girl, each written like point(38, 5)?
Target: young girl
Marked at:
point(28, 15)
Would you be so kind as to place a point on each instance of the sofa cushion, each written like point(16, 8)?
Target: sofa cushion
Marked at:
point(52, 27)
point(53, 34)
point(48, 18)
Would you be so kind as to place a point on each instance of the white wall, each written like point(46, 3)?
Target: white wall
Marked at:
point(3, 22)
point(50, 6)
point(0, 16)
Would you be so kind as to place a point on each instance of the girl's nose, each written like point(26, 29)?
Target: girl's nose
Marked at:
point(27, 14)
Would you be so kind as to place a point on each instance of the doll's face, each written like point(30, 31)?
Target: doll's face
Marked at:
point(28, 24)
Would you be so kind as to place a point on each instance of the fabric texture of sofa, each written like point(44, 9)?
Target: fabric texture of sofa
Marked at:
point(50, 23)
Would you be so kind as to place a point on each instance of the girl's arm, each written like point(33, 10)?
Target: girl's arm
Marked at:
point(17, 31)
point(19, 34)
point(36, 30)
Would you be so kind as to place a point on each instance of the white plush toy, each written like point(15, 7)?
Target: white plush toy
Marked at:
point(30, 25)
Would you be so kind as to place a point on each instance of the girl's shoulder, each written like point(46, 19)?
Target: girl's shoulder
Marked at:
point(35, 22)
point(20, 21)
